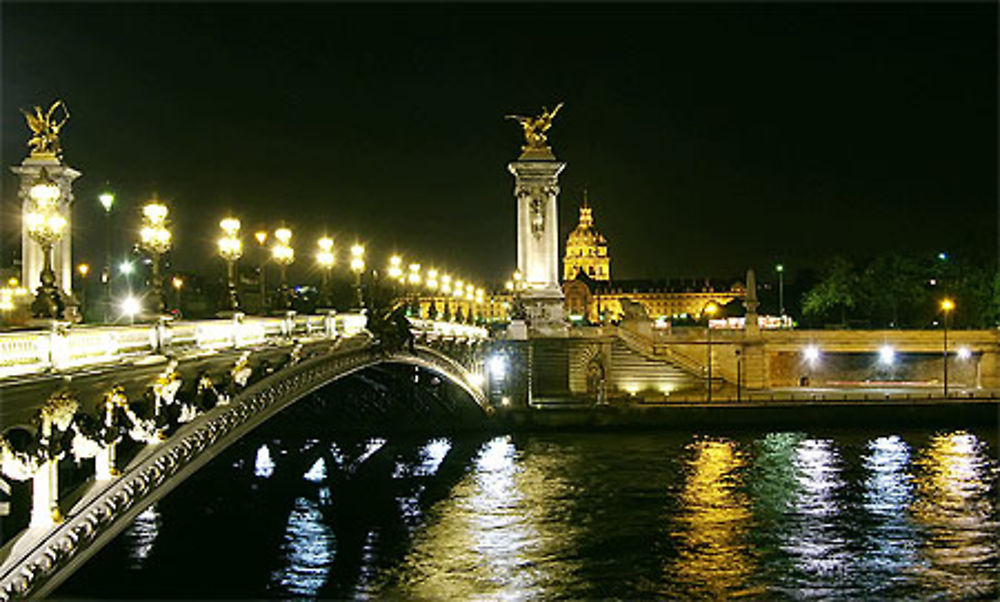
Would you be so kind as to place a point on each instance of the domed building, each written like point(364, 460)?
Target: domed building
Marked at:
point(586, 249)
point(591, 296)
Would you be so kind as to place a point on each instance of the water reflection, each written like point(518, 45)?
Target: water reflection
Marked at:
point(263, 465)
point(308, 549)
point(954, 506)
point(888, 536)
point(815, 543)
point(491, 538)
point(714, 558)
point(140, 536)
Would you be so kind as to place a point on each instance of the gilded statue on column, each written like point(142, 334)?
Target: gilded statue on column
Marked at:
point(535, 127)
point(45, 127)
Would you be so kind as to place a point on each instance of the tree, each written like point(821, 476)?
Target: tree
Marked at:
point(836, 289)
point(891, 289)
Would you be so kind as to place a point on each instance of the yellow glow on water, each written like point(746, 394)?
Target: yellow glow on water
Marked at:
point(492, 539)
point(954, 506)
point(714, 559)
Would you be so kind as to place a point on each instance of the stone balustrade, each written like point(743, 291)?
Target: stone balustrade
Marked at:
point(63, 348)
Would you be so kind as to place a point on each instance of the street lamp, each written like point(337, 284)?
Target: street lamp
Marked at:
point(83, 269)
point(107, 200)
point(709, 311)
point(283, 254)
point(261, 236)
point(45, 227)
point(325, 259)
point(781, 287)
point(432, 284)
point(358, 266)
point(413, 279)
point(947, 305)
point(231, 249)
point(154, 238)
point(178, 283)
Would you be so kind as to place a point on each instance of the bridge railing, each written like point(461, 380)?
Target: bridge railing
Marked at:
point(63, 348)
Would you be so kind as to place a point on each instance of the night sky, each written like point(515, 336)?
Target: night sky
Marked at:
point(711, 137)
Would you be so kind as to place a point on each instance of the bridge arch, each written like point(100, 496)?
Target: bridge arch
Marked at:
point(38, 568)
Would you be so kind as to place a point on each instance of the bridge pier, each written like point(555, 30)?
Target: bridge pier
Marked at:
point(45, 496)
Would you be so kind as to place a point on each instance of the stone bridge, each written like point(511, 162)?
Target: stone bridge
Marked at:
point(154, 451)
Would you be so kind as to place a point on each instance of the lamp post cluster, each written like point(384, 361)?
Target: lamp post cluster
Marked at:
point(231, 249)
point(284, 255)
point(154, 238)
point(418, 283)
point(46, 226)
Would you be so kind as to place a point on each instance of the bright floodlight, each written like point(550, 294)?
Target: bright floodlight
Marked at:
point(811, 353)
point(947, 305)
point(964, 353)
point(130, 306)
point(886, 355)
point(125, 267)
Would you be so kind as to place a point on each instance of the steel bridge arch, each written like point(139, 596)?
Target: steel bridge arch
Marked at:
point(159, 469)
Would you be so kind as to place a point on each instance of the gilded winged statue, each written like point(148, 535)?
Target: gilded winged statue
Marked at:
point(535, 127)
point(45, 129)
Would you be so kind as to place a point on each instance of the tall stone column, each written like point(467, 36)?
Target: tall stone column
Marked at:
point(32, 260)
point(536, 188)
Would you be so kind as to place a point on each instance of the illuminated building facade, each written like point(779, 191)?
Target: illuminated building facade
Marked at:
point(586, 249)
point(591, 296)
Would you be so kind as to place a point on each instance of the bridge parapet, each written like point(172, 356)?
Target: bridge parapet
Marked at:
point(62, 348)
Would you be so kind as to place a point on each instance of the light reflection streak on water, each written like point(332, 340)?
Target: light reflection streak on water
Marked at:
point(954, 506)
point(815, 546)
point(141, 535)
point(308, 550)
point(430, 457)
point(491, 538)
point(714, 558)
point(889, 538)
point(263, 465)
point(317, 472)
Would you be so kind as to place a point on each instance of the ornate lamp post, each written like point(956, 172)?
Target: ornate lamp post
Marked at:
point(395, 272)
point(457, 292)
point(283, 254)
point(446, 292)
point(413, 280)
point(84, 270)
point(261, 236)
point(154, 238)
point(231, 249)
point(178, 283)
point(432, 286)
point(358, 266)
point(470, 296)
point(46, 226)
point(107, 201)
point(480, 302)
point(947, 305)
point(325, 259)
point(709, 311)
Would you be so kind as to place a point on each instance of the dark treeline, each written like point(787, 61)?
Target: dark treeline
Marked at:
point(894, 290)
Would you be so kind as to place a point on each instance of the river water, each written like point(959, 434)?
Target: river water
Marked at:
point(766, 515)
